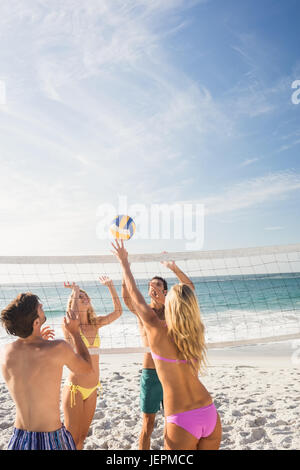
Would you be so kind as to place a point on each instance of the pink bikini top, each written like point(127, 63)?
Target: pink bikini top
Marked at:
point(160, 358)
point(176, 361)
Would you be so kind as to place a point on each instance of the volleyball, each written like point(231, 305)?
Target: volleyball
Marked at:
point(122, 227)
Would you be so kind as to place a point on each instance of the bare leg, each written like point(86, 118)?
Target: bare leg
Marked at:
point(89, 407)
point(165, 430)
point(147, 429)
point(72, 415)
point(177, 438)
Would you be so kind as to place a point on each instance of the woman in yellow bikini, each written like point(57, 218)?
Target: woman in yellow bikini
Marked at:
point(80, 393)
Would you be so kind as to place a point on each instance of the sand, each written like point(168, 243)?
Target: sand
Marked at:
point(255, 389)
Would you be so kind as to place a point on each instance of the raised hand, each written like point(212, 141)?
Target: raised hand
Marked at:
point(47, 333)
point(105, 281)
point(169, 264)
point(119, 251)
point(71, 322)
point(75, 289)
point(182, 277)
point(72, 286)
point(156, 295)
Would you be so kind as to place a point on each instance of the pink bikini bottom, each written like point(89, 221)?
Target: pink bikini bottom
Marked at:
point(200, 422)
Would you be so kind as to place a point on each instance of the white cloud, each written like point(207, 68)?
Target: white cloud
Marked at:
point(285, 147)
point(251, 193)
point(68, 41)
point(256, 93)
point(249, 161)
point(97, 107)
point(254, 192)
point(119, 45)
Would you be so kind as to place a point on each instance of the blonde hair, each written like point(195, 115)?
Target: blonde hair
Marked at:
point(185, 327)
point(91, 314)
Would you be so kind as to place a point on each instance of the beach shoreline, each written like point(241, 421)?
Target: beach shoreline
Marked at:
point(255, 389)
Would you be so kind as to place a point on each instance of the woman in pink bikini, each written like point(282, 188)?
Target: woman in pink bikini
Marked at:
point(178, 349)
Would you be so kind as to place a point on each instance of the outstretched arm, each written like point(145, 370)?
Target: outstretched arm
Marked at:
point(73, 307)
point(79, 361)
point(145, 312)
point(74, 295)
point(107, 319)
point(183, 278)
point(126, 297)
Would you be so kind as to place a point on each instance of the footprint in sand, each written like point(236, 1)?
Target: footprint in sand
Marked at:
point(130, 423)
point(5, 424)
point(258, 434)
point(261, 421)
point(236, 413)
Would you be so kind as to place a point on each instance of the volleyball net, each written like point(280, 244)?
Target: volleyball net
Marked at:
point(246, 296)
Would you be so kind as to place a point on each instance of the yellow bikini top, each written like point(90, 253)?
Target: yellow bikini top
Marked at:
point(96, 343)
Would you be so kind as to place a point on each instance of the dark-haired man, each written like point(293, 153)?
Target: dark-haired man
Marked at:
point(151, 392)
point(32, 369)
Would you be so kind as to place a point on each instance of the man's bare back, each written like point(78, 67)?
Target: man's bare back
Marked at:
point(33, 373)
point(32, 366)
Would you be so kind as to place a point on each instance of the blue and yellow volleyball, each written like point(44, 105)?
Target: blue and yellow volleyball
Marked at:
point(122, 227)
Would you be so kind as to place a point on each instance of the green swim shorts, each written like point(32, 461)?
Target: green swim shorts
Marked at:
point(151, 394)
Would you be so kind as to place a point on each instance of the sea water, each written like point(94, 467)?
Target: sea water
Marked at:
point(233, 308)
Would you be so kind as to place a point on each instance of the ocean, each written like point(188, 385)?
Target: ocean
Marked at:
point(233, 308)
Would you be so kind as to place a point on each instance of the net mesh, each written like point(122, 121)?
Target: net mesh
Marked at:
point(245, 295)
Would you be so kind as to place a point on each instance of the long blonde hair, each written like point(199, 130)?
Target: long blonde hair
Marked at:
point(185, 327)
point(91, 314)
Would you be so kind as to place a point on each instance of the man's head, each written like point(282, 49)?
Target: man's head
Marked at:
point(22, 315)
point(158, 289)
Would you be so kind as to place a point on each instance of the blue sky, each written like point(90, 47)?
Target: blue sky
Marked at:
point(174, 101)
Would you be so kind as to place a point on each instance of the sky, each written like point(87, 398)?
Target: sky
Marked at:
point(174, 102)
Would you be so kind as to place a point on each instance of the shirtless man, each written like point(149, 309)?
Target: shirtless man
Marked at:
point(151, 393)
point(32, 369)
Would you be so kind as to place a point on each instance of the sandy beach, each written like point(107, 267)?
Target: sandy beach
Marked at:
point(255, 388)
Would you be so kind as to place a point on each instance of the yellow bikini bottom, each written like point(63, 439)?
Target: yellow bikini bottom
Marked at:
point(85, 392)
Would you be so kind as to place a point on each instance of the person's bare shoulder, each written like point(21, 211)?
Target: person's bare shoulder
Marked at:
point(56, 342)
point(7, 351)
point(55, 349)
point(59, 345)
point(8, 355)
point(4, 350)
point(59, 350)
point(157, 320)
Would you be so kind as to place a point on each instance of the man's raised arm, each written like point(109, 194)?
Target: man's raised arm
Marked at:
point(183, 278)
point(126, 297)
